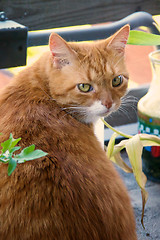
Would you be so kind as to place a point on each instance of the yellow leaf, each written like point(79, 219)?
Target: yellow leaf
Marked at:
point(120, 146)
point(149, 140)
point(119, 161)
point(113, 153)
point(111, 144)
point(134, 149)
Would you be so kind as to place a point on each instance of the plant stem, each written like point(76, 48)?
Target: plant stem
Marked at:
point(114, 130)
point(4, 161)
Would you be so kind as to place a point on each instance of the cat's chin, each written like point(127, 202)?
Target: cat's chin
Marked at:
point(94, 118)
point(96, 111)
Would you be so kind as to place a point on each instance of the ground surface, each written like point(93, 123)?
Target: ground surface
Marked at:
point(152, 209)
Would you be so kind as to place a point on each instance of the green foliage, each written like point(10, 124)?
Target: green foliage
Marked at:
point(8, 157)
point(143, 38)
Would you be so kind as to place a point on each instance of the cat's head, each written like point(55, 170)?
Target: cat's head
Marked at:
point(88, 79)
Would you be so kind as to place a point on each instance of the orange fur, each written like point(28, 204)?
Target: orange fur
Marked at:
point(74, 193)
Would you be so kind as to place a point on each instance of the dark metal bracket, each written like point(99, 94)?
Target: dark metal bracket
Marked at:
point(13, 43)
point(14, 39)
point(135, 20)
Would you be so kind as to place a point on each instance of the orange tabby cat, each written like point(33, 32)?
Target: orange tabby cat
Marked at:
point(74, 193)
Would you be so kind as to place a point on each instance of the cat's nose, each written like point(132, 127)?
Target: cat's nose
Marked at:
point(107, 104)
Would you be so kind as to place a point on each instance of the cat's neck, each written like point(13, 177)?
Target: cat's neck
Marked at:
point(34, 79)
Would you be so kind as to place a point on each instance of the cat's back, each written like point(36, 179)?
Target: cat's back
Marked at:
point(73, 193)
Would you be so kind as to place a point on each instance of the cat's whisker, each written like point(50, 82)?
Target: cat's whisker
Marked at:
point(126, 103)
point(129, 101)
point(121, 112)
point(119, 60)
point(124, 111)
point(47, 94)
point(70, 111)
point(131, 106)
point(72, 107)
point(131, 98)
point(76, 111)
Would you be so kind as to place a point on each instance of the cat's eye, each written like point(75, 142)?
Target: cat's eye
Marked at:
point(117, 81)
point(85, 87)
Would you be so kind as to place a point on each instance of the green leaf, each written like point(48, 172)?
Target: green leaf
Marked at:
point(28, 154)
point(9, 147)
point(13, 142)
point(14, 149)
point(9, 144)
point(6, 145)
point(3, 159)
point(11, 166)
point(143, 38)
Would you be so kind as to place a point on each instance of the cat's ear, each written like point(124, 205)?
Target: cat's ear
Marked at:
point(119, 39)
point(61, 51)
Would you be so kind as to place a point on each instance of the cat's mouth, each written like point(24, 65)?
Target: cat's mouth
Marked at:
point(106, 113)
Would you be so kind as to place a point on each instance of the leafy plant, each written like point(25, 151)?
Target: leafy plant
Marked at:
point(134, 147)
point(8, 157)
point(143, 38)
point(134, 144)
